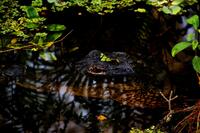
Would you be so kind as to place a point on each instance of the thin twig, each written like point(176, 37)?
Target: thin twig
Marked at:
point(29, 46)
point(189, 119)
point(185, 109)
point(169, 115)
point(64, 36)
point(183, 121)
point(9, 50)
point(169, 99)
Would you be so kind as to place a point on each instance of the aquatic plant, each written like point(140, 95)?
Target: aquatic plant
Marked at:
point(103, 7)
point(148, 130)
point(25, 27)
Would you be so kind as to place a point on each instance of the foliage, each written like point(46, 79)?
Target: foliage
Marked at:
point(191, 41)
point(11, 20)
point(109, 6)
point(172, 7)
point(149, 130)
point(48, 56)
point(93, 6)
point(24, 27)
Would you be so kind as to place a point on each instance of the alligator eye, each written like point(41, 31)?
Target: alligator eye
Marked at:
point(98, 70)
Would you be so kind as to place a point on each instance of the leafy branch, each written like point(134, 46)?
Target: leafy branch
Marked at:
point(191, 41)
point(26, 28)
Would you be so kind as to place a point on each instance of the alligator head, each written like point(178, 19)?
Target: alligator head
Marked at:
point(98, 64)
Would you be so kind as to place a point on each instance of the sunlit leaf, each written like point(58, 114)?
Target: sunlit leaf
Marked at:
point(32, 25)
point(40, 41)
point(56, 27)
point(194, 21)
point(179, 47)
point(194, 44)
point(141, 10)
point(31, 12)
point(101, 117)
point(54, 36)
point(104, 58)
point(52, 1)
point(73, 49)
point(48, 56)
point(13, 41)
point(49, 44)
point(166, 10)
point(190, 36)
point(175, 9)
point(177, 2)
point(34, 49)
point(53, 57)
point(171, 9)
point(37, 3)
point(196, 63)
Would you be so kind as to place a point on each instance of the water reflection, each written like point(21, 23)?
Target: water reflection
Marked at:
point(54, 98)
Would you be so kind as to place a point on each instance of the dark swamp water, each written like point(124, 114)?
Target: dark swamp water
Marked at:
point(60, 96)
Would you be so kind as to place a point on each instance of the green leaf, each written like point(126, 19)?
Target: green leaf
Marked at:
point(166, 10)
point(194, 21)
point(54, 36)
point(179, 47)
point(190, 36)
point(104, 58)
point(196, 63)
point(48, 56)
point(40, 38)
point(53, 57)
point(32, 25)
point(175, 9)
point(52, 1)
point(31, 12)
point(177, 2)
point(40, 41)
point(194, 44)
point(141, 10)
point(37, 3)
point(56, 27)
point(73, 49)
point(171, 9)
point(48, 44)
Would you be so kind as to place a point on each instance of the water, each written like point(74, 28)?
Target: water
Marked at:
point(47, 97)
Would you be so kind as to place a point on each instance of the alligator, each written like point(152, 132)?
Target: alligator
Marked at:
point(115, 76)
